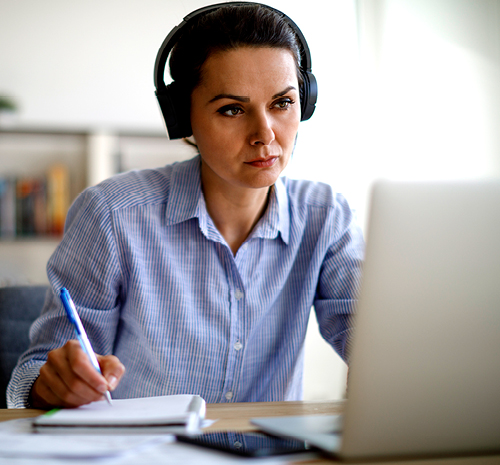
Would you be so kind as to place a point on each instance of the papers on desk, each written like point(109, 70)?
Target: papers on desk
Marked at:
point(17, 440)
point(181, 414)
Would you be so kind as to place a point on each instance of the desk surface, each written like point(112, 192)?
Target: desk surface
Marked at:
point(236, 416)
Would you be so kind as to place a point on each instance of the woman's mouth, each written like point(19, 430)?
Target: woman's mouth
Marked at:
point(262, 162)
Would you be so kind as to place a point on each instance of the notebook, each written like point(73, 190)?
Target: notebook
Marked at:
point(424, 375)
point(176, 414)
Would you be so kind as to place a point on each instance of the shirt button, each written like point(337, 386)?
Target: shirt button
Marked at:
point(237, 445)
point(238, 345)
point(244, 246)
point(238, 294)
point(229, 395)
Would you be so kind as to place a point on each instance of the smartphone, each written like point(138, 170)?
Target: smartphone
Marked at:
point(248, 444)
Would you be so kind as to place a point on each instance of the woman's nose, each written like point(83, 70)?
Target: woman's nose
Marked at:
point(261, 132)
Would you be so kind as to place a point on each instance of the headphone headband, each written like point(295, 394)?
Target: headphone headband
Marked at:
point(177, 122)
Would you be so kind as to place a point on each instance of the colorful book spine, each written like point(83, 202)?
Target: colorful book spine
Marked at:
point(34, 206)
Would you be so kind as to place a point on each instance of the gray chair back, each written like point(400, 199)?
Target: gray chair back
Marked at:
point(19, 306)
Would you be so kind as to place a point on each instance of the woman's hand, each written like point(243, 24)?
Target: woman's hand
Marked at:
point(68, 379)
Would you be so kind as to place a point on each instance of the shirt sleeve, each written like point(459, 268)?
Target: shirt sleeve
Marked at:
point(339, 280)
point(86, 262)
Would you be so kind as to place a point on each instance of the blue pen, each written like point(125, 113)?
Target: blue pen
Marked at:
point(74, 319)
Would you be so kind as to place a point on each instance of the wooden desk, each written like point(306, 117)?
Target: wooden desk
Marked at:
point(236, 416)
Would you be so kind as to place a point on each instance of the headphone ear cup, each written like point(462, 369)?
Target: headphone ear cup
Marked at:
point(175, 109)
point(308, 95)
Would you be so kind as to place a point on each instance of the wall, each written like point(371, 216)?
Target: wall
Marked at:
point(429, 83)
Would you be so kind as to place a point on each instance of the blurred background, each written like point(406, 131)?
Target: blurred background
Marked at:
point(408, 89)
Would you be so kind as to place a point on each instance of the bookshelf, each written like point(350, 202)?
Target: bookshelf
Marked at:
point(42, 170)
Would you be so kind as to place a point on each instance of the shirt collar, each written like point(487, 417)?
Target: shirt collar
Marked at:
point(186, 201)
point(185, 191)
point(276, 219)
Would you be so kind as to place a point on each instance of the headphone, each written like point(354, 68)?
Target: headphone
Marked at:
point(172, 103)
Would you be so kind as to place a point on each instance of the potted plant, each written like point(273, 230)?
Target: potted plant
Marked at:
point(7, 109)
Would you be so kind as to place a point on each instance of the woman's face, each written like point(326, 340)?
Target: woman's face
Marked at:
point(245, 115)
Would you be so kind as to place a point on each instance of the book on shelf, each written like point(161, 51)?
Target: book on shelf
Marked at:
point(57, 198)
point(34, 205)
point(7, 207)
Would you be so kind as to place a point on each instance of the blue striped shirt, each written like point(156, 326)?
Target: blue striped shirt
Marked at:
point(156, 284)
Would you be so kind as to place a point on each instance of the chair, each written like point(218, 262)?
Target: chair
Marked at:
point(19, 306)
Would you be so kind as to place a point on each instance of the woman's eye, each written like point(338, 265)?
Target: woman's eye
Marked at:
point(284, 104)
point(230, 111)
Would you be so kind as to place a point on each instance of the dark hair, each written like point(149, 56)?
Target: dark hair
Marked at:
point(224, 29)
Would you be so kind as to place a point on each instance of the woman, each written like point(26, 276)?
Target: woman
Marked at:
point(199, 277)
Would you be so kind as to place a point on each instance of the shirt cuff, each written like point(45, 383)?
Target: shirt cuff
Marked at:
point(20, 384)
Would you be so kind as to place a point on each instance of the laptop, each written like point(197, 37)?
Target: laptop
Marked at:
point(424, 373)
